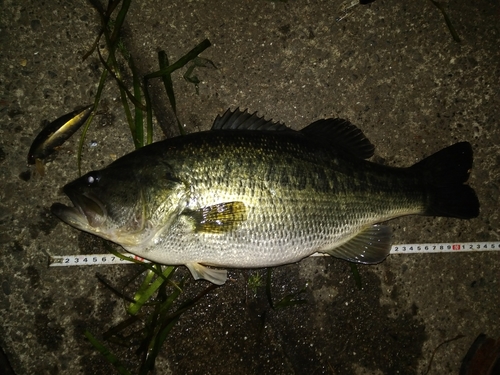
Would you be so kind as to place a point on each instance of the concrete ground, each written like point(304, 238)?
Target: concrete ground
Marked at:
point(391, 67)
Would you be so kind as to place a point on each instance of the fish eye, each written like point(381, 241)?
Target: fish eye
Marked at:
point(93, 178)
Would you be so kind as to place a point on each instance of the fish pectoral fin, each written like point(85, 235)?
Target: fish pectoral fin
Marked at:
point(199, 271)
point(370, 246)
point(218, 218)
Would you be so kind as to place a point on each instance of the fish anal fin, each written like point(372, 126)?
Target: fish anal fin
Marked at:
point(370, 246)
point(218, 218)
point(215, 276)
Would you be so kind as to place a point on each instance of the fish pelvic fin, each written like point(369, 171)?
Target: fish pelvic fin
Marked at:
point(218, 218)
point(199, 271)
point(370, 246)
point(444, 175)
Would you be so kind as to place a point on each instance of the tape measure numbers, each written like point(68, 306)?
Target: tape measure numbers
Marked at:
point(458, 247)
point(92, 259)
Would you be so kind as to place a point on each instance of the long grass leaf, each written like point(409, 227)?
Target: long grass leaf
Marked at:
point(120, 18)
point(197, 62)
point(182, 61)
point(114, 70)
point(144, 285)
point(167, 79)
point(120, 327)
point(85, 128)
point(169, 87)
point(168, 322)
point(453, 32)
point(113, 289)
point(145, 295)
point(286, 301)
point(149, 364)
point(105, 18)
point(139, 115)
point(149, 114)
point(110, 357)
point(268, 288)
point(356, 275)
point(149, 266)
point(104, 15)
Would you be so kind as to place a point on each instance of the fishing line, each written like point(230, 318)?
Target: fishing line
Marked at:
point(456, 247)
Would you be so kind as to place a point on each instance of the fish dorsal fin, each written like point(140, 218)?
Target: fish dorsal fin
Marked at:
point(238, 120)
point(342, 135)
point(370, 246)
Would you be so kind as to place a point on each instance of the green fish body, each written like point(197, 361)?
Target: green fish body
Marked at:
point(252, 193)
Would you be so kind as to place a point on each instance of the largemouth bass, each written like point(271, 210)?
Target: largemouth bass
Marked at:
point(253, 193)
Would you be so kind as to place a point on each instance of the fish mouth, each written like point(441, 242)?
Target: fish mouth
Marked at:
point(87, 214)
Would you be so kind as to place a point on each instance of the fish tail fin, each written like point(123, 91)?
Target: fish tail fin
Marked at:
point(445, 173)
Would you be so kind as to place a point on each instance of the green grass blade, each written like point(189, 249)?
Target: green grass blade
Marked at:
point(128, 115)
point(356, 275)
point(169, 87)
point(168, 322)
point(113, 331)
point(105, 20)
point(453, 32)
point(168, 301)
point(190, 303)
point(85, 128)
point(137, 129)
point(151, 327)
point(105, 16)
point(149, 114)
point(116, 292)
point(197, 62)
point(119, 21)
point(182, 61)
point(291, 300)
point(148, 279)
point(189, 77)
point(268, 288)
point(110, 357)
point(167, 80)
point(114, 70)
point(149, 266)
point(139, 115)
point(149, 363)
point(113, 42)
point(142, 296)
point(288, 300)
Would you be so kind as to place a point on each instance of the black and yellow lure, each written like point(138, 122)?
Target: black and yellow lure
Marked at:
point(55, 134)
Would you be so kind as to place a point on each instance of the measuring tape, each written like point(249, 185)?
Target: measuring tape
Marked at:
point(93, 259)
point(459, 247)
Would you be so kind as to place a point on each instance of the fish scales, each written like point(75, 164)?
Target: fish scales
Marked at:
point(298, 200)
point(244, 198)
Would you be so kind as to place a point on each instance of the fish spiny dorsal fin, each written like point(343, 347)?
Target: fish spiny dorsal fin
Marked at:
point(238, 120)
point(342, 135)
